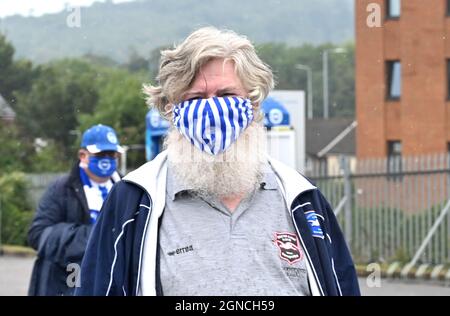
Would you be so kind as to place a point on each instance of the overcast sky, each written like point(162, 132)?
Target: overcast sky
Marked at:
point(39, 7)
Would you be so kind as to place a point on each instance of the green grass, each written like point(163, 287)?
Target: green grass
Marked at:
point(21, 251)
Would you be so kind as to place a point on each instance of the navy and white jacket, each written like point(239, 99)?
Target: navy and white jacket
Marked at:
point(112, 264)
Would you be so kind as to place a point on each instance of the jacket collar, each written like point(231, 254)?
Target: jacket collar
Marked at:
point(291, 182)
point(74, 183)
point(74, 176)
point(151, 176)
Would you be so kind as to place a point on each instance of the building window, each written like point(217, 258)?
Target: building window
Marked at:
point(393, 9)
point(395, 148)
point(394, 160)
point(394, 80)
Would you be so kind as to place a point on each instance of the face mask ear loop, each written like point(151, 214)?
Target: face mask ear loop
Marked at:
point(169, 114)
point(168, 111)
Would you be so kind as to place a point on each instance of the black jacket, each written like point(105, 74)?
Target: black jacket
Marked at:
point(59, 232)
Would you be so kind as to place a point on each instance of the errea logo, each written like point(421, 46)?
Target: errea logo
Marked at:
point(181, 250)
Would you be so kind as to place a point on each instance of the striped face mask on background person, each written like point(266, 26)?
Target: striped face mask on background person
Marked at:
point(213, 125)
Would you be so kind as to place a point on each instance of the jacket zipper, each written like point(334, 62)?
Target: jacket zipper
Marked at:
point(307, 255)
point(143, 234)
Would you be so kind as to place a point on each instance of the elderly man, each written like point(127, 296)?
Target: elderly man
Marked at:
point(68, 210)
point(213, 215)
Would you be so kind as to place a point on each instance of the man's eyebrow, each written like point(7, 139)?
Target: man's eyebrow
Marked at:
point(195, 92)
point(220, 91)
point(227, 89)
point(190, 93)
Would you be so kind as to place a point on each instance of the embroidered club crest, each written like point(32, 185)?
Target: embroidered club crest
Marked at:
point(288, 247)
point(111, 138)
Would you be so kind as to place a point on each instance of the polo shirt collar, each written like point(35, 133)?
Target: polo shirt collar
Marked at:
point(173, 186)
point(269, 180)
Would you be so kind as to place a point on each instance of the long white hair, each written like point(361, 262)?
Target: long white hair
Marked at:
point(180, 65)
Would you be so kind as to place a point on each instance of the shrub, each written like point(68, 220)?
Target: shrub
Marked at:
point(15, 210)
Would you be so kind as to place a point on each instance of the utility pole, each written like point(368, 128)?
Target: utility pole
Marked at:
point(310, 89)
point(325, 79)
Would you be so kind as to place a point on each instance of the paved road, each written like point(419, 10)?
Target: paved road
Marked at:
point(403, 288)
point(15, 274)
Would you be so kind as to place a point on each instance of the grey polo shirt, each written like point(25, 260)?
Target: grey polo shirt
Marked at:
point(206, 250)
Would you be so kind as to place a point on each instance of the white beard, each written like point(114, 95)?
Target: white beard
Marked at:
point(236, 172)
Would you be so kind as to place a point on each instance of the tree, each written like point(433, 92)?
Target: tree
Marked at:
point(283, 58)
point(99, 60)
point(14, 151)
point(121, 105)
point(154, 60)
point(15, 76)
point(136, 62)
point(15, 209)
point(63, 90)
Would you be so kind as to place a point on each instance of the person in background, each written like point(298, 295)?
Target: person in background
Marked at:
point(213, 214)
point(67, 211)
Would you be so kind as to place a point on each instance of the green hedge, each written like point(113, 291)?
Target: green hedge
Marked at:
point(15, 210)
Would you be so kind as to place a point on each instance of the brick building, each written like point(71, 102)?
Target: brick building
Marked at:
point(402, 77)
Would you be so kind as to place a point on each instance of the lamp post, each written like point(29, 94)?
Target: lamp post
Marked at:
point(338, 50)
point(310, 89)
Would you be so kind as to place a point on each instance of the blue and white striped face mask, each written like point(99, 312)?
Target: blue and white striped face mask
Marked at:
point(213, 125)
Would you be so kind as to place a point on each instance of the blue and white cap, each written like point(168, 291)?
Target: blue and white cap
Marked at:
point(100, 138)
